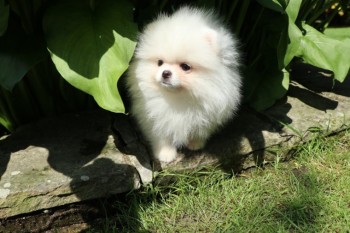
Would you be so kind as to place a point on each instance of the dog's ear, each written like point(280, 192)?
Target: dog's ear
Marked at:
point(211, 36)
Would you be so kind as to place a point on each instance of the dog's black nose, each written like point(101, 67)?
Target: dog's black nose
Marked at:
point(166, 74)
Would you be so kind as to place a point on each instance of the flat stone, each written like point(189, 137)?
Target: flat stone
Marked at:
point(71, 158)
point(63, 160)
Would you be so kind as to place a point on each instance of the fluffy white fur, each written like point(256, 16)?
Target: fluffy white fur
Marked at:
point(203, 88)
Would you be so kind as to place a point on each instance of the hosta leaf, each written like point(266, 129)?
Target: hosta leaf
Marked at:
point(292, 35)
point(293, 41)
point(338, 33)
point(325, 52)
point(91, 43)
point(273, 87)
point(293, 9)
point(19, 52)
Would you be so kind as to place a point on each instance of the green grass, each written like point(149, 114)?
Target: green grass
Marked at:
point(310, 193)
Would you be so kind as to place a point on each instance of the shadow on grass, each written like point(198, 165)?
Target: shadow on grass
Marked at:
point(300, 212)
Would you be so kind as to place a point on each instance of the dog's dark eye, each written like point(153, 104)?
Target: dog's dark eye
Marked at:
point(185, 67)
point(160, 62)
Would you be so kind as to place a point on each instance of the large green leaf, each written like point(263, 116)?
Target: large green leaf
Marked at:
point(314, 47)
point(290, 38)
point(19, 52)
point(273, 86)
point(91, 43)
point(293, 9)
point(325, 52)
point(338, 33)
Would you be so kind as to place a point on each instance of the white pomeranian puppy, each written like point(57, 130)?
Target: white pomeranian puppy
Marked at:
point(184, 80)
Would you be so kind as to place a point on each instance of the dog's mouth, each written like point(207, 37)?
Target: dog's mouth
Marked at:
point(168, 81)
point(168, 85)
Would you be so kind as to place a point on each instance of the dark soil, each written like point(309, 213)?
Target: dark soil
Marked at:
point(79, 217)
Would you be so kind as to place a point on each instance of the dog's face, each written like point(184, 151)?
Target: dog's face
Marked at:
point(173, 75)
point(177, 62)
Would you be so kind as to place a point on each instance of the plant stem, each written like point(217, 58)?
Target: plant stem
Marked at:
point(242, 16)
point(10, 107)
point(326, 22)
point(92, 4)
point(256, 22)
point(5, 116)
point(319, 12)
point(231, 10)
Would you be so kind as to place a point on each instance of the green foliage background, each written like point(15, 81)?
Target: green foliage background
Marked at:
point(62, 55)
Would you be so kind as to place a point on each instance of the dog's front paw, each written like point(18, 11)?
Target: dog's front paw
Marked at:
point(166, 153)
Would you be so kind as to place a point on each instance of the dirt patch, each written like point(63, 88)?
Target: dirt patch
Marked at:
point(78, 217)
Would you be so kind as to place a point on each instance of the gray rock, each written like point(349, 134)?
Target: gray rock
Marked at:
point(71, 158)
point(63, 160)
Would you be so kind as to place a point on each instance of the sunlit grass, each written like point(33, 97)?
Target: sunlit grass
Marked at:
point(310, 193)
